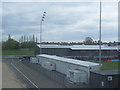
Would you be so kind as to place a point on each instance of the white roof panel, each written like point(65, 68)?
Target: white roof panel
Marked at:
point(72, 61)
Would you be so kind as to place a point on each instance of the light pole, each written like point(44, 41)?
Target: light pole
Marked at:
point(100, 37)
point(42, 19)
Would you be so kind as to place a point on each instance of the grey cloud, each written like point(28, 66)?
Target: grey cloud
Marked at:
point(64, 21)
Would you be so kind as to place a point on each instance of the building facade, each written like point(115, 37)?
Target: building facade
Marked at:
point(81, 52)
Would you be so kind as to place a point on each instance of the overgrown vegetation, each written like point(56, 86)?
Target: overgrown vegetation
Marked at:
point(13, 47)
point(12, 44)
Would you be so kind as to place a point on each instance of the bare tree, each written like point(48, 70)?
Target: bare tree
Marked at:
point(33, 38)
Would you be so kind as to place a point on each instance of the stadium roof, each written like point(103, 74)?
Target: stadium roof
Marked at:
point(81, 47)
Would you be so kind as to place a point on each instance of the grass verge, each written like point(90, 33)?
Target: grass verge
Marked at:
point(26, 51)
point(110, 65)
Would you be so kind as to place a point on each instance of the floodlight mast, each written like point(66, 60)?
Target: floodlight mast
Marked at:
point(42, 19)
point(100, 37)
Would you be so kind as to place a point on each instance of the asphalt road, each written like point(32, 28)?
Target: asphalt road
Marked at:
point(30, 77)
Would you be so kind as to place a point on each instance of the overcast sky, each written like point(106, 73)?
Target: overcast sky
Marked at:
point(64, 21)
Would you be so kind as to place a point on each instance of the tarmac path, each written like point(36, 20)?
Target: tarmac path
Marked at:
point(9, 79)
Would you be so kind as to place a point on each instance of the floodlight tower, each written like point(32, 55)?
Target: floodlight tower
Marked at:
point(100, 37)
point(42, 19)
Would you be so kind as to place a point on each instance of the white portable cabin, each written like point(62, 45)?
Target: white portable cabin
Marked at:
point(65, 65)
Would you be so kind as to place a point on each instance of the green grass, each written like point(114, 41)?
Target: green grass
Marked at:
point(110, 65)
point(27, 51)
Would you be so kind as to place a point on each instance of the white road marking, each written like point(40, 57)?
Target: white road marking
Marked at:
point(24, 75)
